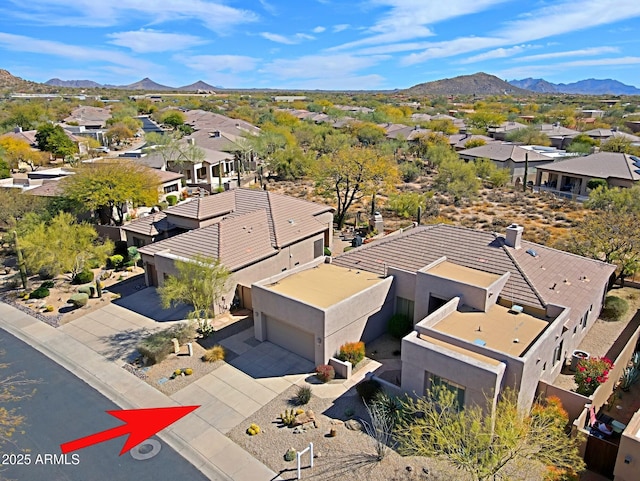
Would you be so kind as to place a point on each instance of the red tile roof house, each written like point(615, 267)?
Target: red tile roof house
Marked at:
point(489, 310)
point(571, 176)
point(254, 233)
point(508, 156)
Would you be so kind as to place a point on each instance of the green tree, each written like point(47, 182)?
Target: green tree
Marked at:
point(612, 232)
point(118, 133)
point(5, 172)
point(457, 178)
point(477, 142)
point(108, 187)
point(15, 205)
point(52, 138)
point(486, 442)
point(200, 282)
point(173, 118)
point(61, 245)
point(618, 144)
point(351, 173)
point(582, 144)
point(18, 152)
point(291, 163)
point(367, 133)
point(483, 119)
point(529, 136)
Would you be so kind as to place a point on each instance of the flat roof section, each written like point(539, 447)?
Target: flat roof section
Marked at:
point(460, 350)
point(324, 285)
point(496, 329)
point(474, 277)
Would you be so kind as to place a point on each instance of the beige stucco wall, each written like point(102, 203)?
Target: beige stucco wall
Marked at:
point(481, 380)
point(630, 450)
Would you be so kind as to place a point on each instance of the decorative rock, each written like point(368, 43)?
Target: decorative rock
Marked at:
point(353, 425)
point(337, 422)
point(409, 469)
point(317, 455)
point(304, 418)
point(299, 430)
point(425, 471)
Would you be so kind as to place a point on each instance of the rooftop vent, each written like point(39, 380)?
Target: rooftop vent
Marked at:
point(480, 342)
point(532, 253)
point(516, 309)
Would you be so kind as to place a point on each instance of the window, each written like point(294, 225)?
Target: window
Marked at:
point(583, 322)
point(137, 242)
point(557, 353)
point(318, 248)
point(171, 188)
point(455, 388)
point(404, 307)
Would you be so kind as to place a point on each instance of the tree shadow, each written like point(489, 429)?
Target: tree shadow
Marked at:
point(122, 345)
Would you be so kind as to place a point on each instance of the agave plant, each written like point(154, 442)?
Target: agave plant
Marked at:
point(630, 376)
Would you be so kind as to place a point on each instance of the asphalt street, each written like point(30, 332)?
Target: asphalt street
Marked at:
point(64, 408)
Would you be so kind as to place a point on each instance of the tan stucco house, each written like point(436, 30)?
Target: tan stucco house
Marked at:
point(254, 233)
point(489, 310)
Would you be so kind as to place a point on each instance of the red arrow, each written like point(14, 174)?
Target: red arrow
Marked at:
point(140, 425)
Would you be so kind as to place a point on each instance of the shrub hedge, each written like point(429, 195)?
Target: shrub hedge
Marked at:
point(83, 277)
point(614, 308)
point(39, 293)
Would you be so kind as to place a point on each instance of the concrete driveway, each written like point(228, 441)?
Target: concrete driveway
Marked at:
point(146, 302)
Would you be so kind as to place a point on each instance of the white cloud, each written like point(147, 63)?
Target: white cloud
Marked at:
point(585, 52)
point(294, 39)
point(341, 27)
point(560, 18)
point(553, 69)
point(214, 15)
point(21, 43)
point(220, 63)
point(319, 29)
point(320, 66)
point(498, 53)
point(269, 7)
point(409, 19)
point(147, 40)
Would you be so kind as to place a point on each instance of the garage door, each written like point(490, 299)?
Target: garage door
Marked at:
point(290, 338)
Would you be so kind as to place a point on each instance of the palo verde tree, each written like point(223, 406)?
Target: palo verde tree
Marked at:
point(18, 151)
point(108, 187)
point(611, 233)
point(485, 442)
point(200, 282)
point(60, 245)
point(351, 173)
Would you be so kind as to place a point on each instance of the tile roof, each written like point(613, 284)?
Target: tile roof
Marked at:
point(602, 165)
point(209, 121)
point(237, 241)
point(151, 225)
point(167, 176)
point(274, 220)
point(531, 277)
point(503, 152)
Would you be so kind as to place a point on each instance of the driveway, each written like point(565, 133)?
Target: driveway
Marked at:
point(146, 302)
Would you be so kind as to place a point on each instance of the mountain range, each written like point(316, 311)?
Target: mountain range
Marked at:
point(476, 84)
point(583, 87)
point(144, 84)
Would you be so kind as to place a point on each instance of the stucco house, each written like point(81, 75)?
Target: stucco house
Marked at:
point(571, 176)
point(489, 310)
point(508, 156)
point(254, 233)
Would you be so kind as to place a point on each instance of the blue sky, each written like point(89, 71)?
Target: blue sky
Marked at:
point(319, 44)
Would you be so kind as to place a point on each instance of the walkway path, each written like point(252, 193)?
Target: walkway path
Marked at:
point(94, 346)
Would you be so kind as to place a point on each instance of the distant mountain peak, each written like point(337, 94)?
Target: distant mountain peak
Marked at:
point(582, 87)
point(199, 85)
point(480, 83)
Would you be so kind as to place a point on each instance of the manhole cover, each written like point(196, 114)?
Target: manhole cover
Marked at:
point(145, 450)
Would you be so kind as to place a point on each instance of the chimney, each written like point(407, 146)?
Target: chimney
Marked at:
point(17, 129)
point(514, 236)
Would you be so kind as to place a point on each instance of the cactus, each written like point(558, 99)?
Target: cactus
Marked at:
point(99, 287)
point(79, 300)
point(290, 455)
point(288, 417)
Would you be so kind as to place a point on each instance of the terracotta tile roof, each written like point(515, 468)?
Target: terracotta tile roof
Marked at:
point(167, 176)
point(252, 224)
point(602, 165)
point(151, 225)
point(503, 152)
point(530, 279)
point(237, 241)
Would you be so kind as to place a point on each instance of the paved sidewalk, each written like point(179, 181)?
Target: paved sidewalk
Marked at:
point(194, 437)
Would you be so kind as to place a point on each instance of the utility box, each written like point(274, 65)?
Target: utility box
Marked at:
point(376, 223)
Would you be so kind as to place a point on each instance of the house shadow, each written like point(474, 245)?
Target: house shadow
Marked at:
point(146, 302)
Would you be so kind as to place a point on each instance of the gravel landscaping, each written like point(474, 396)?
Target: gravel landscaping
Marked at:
point(348, 455)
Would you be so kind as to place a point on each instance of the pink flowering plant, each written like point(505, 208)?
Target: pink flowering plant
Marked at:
point(591, 373)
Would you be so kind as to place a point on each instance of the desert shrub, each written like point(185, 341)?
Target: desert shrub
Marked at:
point(46, 273)
point(133, 253)
point(302, 396)
point(290, 455)
point(172, 200)
point(595, 183)
point(79, 300)
point(48, 308)
point(399, 326)
point(115, 261)
point(368, 390)
point(325, 373)
point(352, 351)
point(39, 293)
point(327, 251)
point(83, 277)
point(162, 205)
point(614, 308)
point(409, 171)
point(48, 284)
point(216, 353)
point(157, 346)
point(88, 290)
